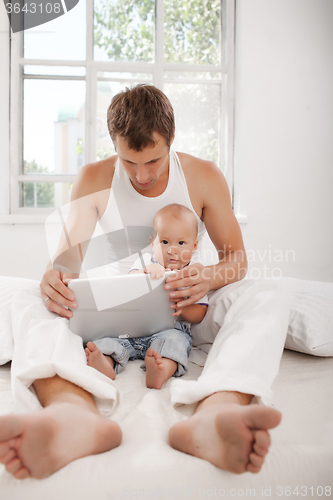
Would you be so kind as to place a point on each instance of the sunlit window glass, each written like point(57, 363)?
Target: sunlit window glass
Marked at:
point(124, 30)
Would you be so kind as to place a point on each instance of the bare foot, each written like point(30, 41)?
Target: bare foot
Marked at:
point(230, 436)
point(158, 370)
point(40, 443)
point(96, 359)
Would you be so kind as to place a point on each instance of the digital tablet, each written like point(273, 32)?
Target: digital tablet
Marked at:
point(125, 306)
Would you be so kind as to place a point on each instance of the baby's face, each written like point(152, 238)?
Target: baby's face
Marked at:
point(175, 242)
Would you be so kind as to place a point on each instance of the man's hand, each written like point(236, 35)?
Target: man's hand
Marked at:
point(156, 271)
point(197, 282)
point(54, 290)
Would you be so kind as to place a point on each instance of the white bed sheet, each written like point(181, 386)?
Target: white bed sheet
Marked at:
point(144, 466)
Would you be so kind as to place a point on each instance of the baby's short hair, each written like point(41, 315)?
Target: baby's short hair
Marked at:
point(179, 212)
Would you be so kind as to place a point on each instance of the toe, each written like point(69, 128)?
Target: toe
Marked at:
point(91, 347)
point(22, 473)
point(5, 459)
point(256, 460)
point(6, 446)
point(262, 452)
point(150, 352)
point(262, 441)
point(14, 466)
point(262, 417)
point(253, 469)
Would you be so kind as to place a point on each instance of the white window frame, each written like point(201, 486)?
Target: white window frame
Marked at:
point(10, 211)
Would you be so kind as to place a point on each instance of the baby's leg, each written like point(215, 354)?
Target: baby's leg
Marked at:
point(101, 362)
point(158, 370)
point(168, 353)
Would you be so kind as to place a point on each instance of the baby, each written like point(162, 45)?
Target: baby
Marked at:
point(165, 353)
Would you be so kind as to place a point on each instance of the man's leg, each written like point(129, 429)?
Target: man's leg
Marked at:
point(62, 423)
point(38, 444)
point(244, 360)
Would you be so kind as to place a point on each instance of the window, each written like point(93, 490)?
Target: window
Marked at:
point(65, 73)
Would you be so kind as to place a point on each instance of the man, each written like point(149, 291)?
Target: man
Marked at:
point(128, 189)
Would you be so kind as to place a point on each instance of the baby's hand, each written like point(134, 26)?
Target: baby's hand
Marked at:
point(156, 271)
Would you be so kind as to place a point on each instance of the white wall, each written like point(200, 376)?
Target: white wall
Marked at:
point(283, 144)
point(23, 250)
point(284, 134)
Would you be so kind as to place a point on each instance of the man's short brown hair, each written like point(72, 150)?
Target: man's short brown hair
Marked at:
point(137, 112)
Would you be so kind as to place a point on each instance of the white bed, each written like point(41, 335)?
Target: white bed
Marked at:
point(144, 466)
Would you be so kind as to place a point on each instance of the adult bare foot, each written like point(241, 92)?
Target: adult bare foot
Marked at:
point(96, 359)
point(40, 443)
point(158, 369)
point(230, 436)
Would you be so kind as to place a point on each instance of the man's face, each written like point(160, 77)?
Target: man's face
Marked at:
point(144, 168)
point(175, 242)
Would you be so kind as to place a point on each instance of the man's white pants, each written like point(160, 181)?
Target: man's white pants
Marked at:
point(43, 347)
point(249, 320)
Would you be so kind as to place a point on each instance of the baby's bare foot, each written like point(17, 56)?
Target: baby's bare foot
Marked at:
point(232, 437)
point(158, 370)
point(99, 361)
point(40, 443)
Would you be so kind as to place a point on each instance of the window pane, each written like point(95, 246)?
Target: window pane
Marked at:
point(54, 70)
point(136, 77)
point(192, 31)
point(198, 118)
point(62, 38)
point(54, 121)
point(192, 75)
point(45, 194)
point(123, 30)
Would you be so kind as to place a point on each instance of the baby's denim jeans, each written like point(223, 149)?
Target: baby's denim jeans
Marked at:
point(174, 344)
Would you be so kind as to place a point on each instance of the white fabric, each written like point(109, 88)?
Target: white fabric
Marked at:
point(301, 453)
point(126, 207)
point(310, 327)
point(8, 287)
point(250, 319)
point(44, 347)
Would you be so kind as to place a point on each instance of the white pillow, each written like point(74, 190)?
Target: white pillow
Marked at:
point(310, 327)
point(8, 287)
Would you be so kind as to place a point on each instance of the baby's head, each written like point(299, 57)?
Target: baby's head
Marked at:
point(176, 239)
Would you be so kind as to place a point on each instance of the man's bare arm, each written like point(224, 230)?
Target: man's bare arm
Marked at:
point(77, 232)
point(224, 231)
point(194, 313)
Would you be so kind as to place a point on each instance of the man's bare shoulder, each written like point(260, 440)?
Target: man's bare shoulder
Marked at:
point(192, 162)
point(94, 177)
point(203, 176)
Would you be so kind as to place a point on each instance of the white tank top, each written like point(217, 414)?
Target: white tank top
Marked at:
point(126, 207)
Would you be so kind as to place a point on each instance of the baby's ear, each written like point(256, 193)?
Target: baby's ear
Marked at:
point(151, 241)
point(195, 246)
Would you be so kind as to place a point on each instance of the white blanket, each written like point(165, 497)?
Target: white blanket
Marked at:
point(44, 347)
point(145, 467)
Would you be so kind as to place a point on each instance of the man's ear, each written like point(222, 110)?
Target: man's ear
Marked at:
point(172, 139)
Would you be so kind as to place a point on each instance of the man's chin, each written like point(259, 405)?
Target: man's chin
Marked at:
point(144, 187)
